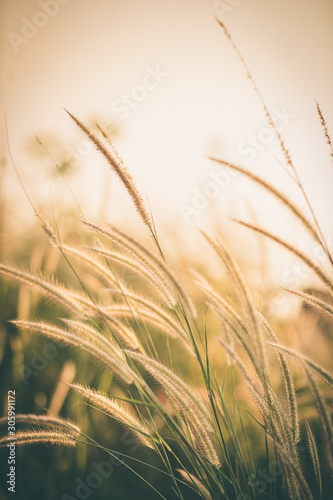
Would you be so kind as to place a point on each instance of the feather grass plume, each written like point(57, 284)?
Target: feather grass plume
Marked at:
point(152, 265)
point(324, 125)
point(55, 423)
point(298, 253)
point(56, 292)
point(312, 301)
point(114, 410)
point(119, 169)
point(194, 411)
point(87, 340)
point(39, 437)
point(319, 370)
point(276, 193)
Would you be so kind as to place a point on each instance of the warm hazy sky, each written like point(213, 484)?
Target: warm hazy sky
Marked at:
point(165, 72)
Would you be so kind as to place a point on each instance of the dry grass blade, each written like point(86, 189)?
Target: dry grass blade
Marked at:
point(120, 170)
point(44, 421)
point(269, 407)
point(231, 318)
point(112, 408)
point(39, 437)
point(309, 262)
point(140, 313)
point(283, 423)
point(124, 334)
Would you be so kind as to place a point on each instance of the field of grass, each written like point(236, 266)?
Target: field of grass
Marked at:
point(141, 388)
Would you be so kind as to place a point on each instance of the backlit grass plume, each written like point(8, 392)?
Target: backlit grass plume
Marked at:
point(119, 169)
point(114, 410)
point(39, 437)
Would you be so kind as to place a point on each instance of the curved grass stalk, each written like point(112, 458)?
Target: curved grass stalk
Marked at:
point(245, 342)
point(277, 194)
point(235, 324)
point(124, 311)
point(159, 312)
point(283, 423)
point(74, 302)
point(298, 253)
point(241, 365)
point(138, 253)
point(271, 409)
point(256, 89)
point(215, 299)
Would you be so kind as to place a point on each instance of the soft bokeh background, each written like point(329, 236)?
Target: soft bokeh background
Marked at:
point(89, 54)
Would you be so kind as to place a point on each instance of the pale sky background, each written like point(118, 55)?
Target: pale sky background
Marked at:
point(90, 53)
